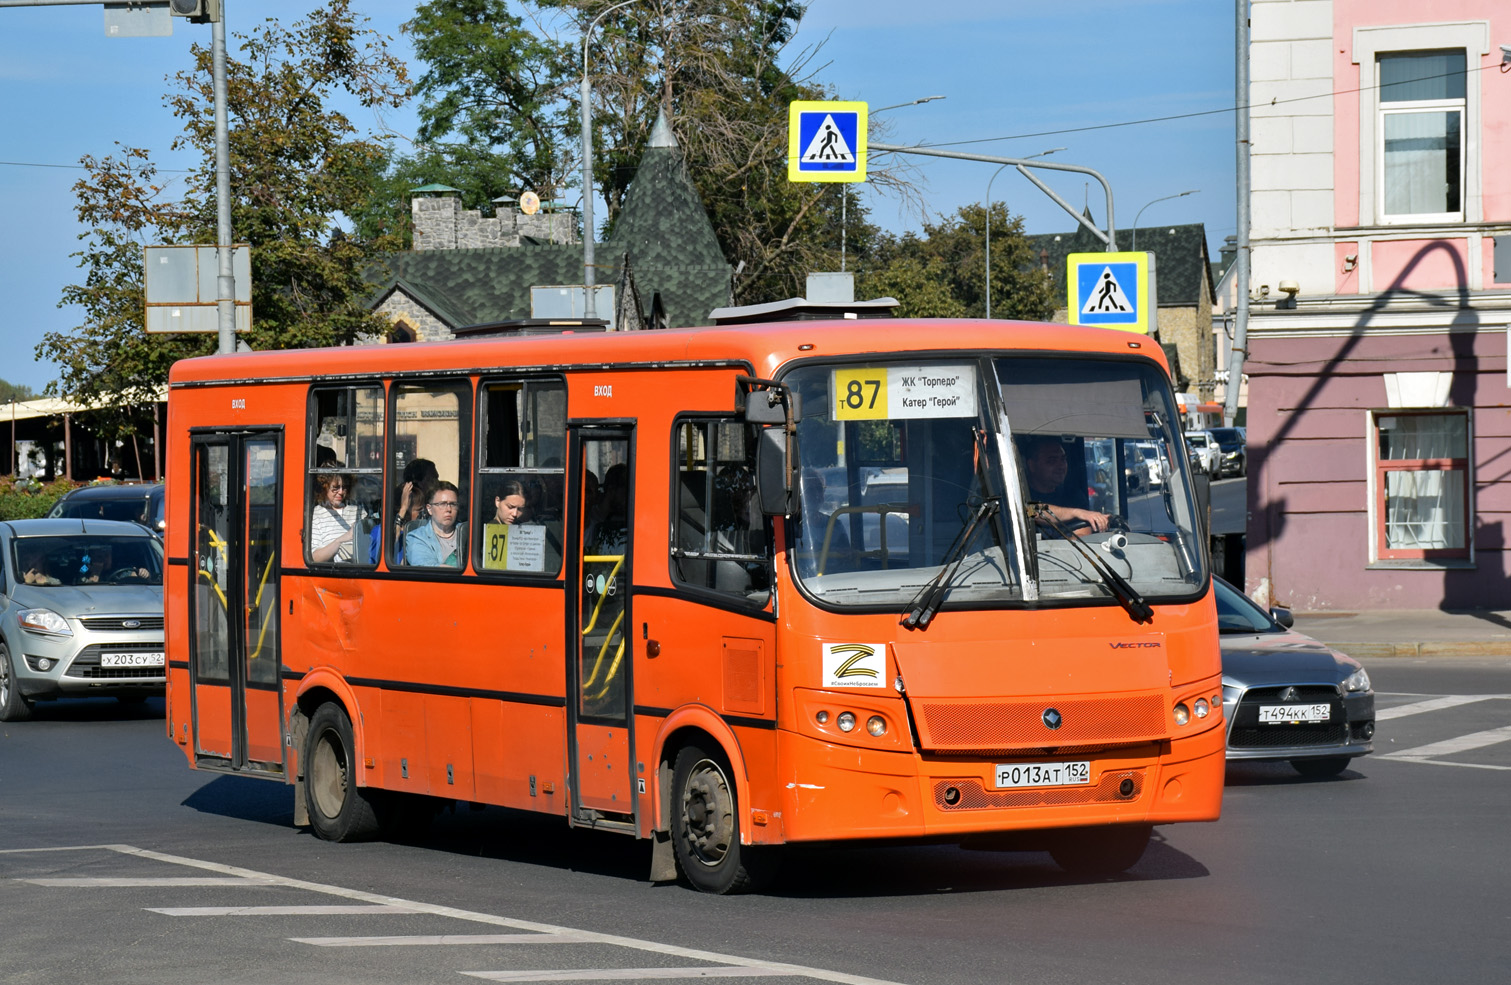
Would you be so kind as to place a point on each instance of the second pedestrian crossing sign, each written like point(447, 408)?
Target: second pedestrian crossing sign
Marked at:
point(826, 141)
point(1110, 290)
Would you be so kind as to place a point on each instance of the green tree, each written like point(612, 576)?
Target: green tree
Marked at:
point(943, 272)
point(14, 391)
point(296, 165)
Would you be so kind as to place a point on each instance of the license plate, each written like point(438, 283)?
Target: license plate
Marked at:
point(131, 660)
point(1286, 714)
point(1043, 774)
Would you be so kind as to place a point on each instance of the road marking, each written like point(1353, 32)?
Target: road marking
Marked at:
point(442, 939)
point(1432, 704)
point(1448, 747)
point(725, 965)
point(274, 911)
point(632, 974)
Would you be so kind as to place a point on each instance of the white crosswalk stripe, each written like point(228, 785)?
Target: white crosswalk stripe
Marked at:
point(1432, 704)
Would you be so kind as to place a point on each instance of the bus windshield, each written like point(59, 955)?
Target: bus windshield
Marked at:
point(899, 461)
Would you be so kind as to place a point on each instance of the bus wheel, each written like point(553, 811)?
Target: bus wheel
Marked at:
point(1100, 853)
point(13, 705)
point(706, 825)
point(339, 810)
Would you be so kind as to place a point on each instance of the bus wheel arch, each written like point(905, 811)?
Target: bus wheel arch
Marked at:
point(702, 795)
point(338, 809)
point(688, 726)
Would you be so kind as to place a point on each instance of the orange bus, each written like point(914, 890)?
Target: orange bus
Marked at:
point(723, 588)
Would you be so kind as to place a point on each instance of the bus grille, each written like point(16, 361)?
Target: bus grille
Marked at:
point(946, 724)
point(971, 795)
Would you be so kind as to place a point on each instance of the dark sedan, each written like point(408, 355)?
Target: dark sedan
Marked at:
point(1232, 455)
point(1285, 695)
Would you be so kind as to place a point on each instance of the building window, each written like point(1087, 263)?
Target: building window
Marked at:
point(1422, 103)
point(1422, 485)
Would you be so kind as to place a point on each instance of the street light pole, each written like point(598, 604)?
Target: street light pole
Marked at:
point(590, 303)
point(1140, 212)
point(988, 207)
point(844, 186)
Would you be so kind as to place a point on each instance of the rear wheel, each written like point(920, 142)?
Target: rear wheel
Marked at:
point(1319, 768)
point(706, 825)
point(1101, 852)
point(13, 706)
point(339, 810)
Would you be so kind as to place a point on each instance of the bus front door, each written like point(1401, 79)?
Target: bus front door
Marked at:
point(599, 676)
point(233, 608)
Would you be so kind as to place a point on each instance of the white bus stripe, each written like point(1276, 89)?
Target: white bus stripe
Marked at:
point(633, 974)
point(275, 911)
point(442, 940)
point(1432, 704)
point(1463, 743)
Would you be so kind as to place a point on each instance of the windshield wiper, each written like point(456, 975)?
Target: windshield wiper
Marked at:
point(1126, 594)
point(926, 603)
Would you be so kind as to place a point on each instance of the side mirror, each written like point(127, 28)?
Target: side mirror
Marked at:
point(1283, 616)
point(774, 485)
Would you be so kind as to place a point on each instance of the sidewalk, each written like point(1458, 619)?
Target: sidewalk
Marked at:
point(1411, 632)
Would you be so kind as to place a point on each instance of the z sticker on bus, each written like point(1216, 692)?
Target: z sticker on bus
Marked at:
point(855, 664)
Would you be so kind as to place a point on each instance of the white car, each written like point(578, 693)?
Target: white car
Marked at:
point(1207, 448)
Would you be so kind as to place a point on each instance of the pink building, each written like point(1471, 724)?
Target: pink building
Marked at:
point(1379, 418)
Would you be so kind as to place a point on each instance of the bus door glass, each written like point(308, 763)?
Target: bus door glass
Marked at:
point(602, 772)
point(236, 658)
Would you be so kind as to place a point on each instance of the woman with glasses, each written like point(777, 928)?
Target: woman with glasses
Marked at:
point(442, 542)
point(333, 520)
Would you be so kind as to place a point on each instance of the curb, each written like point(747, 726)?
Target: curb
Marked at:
point(1432, 648)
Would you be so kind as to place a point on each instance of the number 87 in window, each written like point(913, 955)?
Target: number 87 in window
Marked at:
point(860, 394)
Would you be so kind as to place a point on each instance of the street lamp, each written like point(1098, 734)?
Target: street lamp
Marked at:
point(589, 305)
point(844, 187)
point(988, 207)
point(1140, 212)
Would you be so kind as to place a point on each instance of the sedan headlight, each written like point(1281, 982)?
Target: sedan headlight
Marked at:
point(43, 621)
point(1357, 681)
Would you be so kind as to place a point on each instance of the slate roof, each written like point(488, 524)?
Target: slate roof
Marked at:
point(1180, 253)
point(663, 227)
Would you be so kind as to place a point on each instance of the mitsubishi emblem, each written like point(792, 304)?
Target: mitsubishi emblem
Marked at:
point(1052, 718)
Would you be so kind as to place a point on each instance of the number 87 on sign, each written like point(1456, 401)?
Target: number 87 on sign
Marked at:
point(860, 394)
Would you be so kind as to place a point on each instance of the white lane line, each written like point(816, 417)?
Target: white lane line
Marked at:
point(632, 974)
point(1445, 762)
point(275, 911)
point(669, 950)
point(171, 881)
point(442, 939)
point(1448, 747)
point(1432, 704)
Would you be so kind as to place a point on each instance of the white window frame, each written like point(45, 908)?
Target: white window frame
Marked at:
point(1414, 108)
point(1473, 37)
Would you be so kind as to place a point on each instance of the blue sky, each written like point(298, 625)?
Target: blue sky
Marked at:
point(1044, 75)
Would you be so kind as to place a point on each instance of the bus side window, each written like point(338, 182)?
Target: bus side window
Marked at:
point(521, 477)
point(345, 475)
point(721, 540)
point(429, 469)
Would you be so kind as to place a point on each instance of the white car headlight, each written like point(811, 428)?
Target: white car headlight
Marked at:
point(1357, 681)
point(43, 621)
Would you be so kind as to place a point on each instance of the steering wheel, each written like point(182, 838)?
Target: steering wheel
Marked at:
point(120, 576)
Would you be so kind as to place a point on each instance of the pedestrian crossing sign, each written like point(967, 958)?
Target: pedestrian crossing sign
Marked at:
point(826, 141)
point(1110, 290)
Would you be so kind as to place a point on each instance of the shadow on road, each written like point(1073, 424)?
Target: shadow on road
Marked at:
point(1256, 774)
point(97, 710)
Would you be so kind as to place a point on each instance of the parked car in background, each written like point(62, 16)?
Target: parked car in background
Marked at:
point(1154, 464)
point(136, 502)
point(1206, 448)
point(1286, 696)
point(81, 612)
point(1233, 456)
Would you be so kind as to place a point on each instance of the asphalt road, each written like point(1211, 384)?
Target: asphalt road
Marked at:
point(118, 864)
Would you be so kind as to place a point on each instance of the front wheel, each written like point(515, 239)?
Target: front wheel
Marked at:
point(706, 825)
point(339, 810)
point(13, 705)
point(1320, 768)
point(1101, 853)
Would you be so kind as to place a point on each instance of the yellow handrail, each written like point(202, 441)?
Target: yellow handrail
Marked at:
point(598, 663)
point(618, 560)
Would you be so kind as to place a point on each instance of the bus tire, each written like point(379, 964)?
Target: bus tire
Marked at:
point(13, 704)
point(706, 824)
point(1100, 853)
point(339, 810)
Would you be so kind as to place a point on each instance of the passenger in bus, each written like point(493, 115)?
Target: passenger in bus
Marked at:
point(510, 504)
point(333, 522)
point(818, 525)
point(420, 477)
point(441, 541)
point(1046, 467)
point(610, 534)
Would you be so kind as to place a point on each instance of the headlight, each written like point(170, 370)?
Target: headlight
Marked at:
point(43, 621)
point(1182, 714)
point(845, 721)
point(876, 725)
point(1357, 681)
point(1202, 708)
